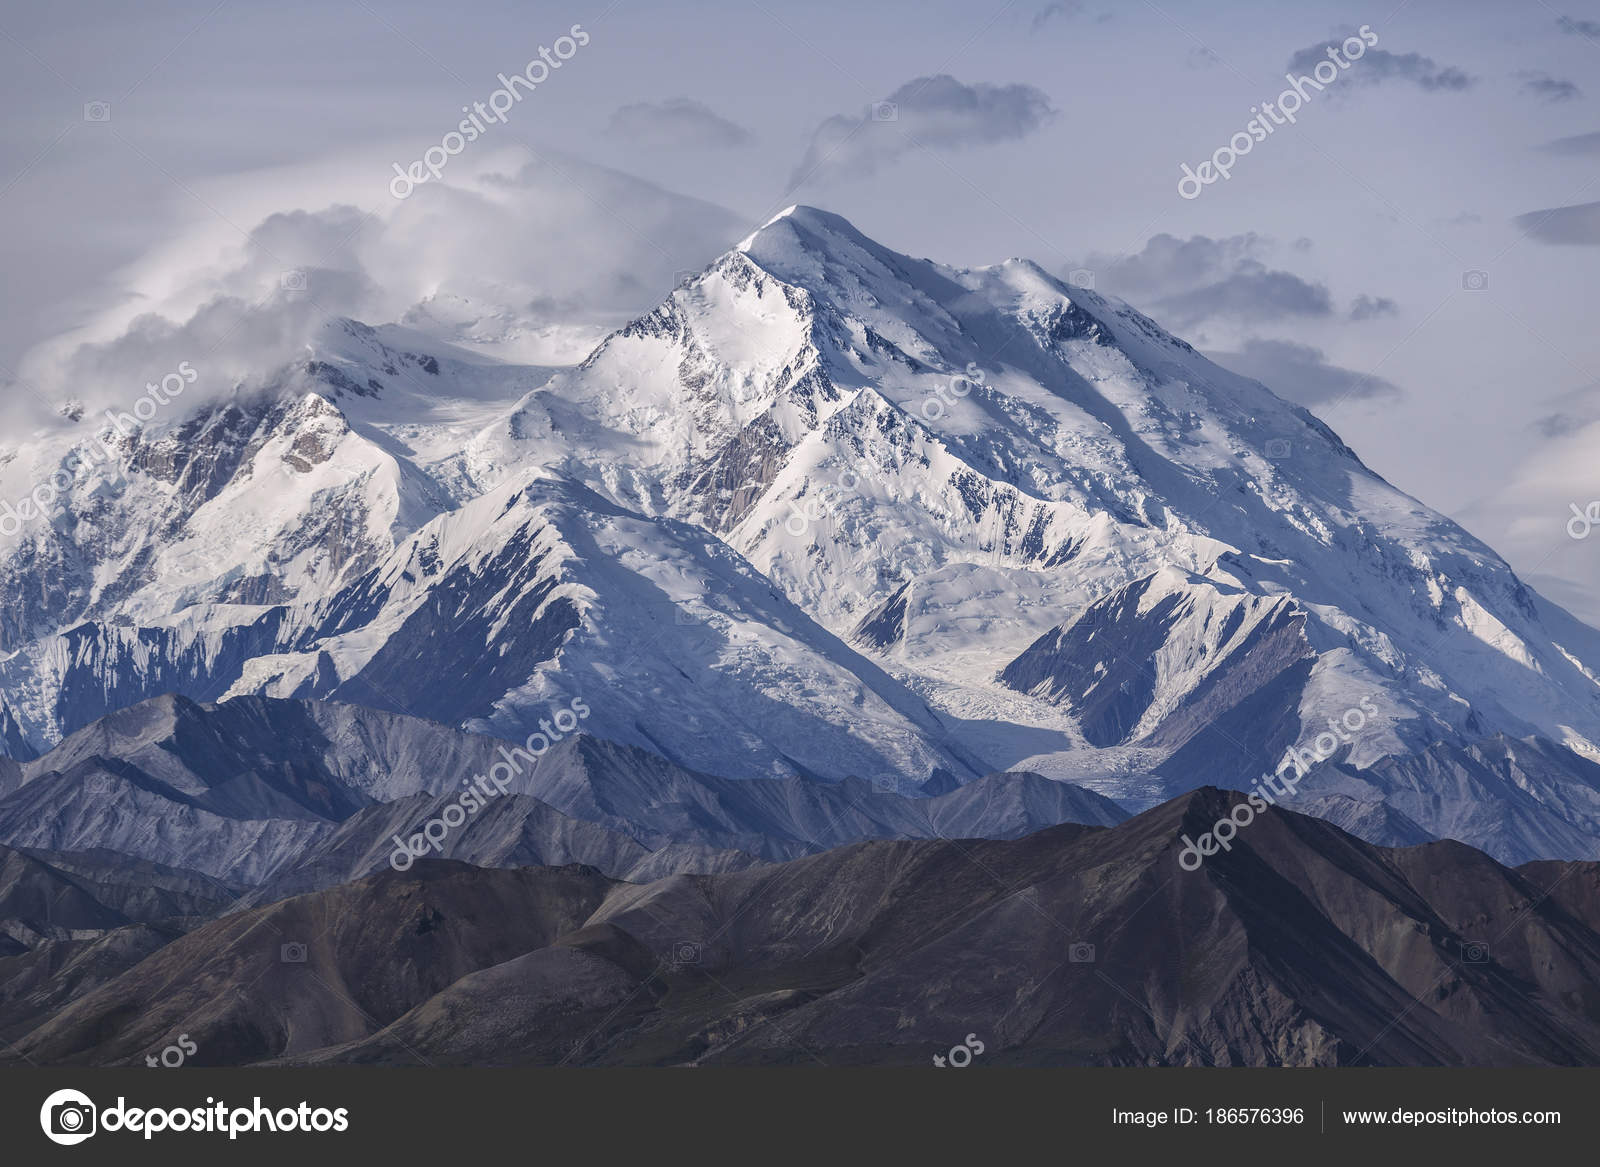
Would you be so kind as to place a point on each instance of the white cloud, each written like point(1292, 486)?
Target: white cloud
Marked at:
point(538, 256)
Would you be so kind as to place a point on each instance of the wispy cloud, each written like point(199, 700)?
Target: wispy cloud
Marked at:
point(1548, 88)
point(1571, 27)
point(1379, 66)
point(1302, 373)
point(936, 113)
point(1587, 145)
point(678, 122)
point(1366, 307)
point(1577, 225)
point(1059, 10)
point(1200, 280)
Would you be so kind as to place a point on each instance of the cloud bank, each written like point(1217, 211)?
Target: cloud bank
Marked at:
point(531, 262)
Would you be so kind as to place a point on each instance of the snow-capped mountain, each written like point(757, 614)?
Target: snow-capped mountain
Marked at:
point(828, 510)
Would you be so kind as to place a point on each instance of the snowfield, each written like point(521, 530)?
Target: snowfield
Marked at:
point(827, 510)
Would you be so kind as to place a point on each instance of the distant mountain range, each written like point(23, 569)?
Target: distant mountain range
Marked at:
point(835, 577)
point(1076, 945)
point(305, 794)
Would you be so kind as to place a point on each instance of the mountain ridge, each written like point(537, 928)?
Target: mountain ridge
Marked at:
point(803, 519)
point(1076, 945)
point(276, 793)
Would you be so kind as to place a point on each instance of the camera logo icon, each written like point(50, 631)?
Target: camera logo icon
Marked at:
point(885, 111)
point(1279, 448)
point(1081, 277)
point(68, 1117)
point(1475, 281)
point(1474, 952)
point(293, 280)
point(293, 952)
point(1081, 953)
point(686, 952)
point(97, 111)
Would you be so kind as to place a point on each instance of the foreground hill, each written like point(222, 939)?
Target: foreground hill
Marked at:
point(1300, 945)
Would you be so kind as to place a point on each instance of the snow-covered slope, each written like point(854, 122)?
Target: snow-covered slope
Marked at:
point(948, 466)
point(540, 594)
point(827, 510)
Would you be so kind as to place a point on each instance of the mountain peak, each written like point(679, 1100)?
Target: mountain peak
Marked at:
point(799, 217)
point(800, 243)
